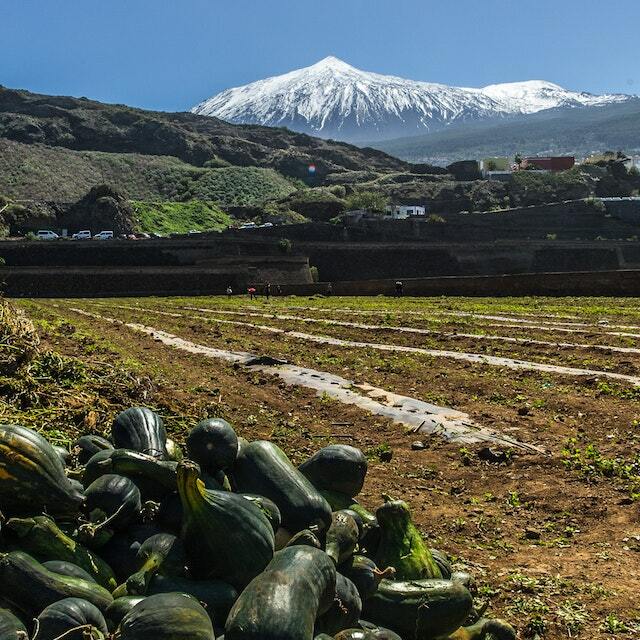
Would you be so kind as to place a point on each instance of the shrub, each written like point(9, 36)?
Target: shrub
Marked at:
point(285, 245)
point(315, 276)
point(370, 200)
point(436, 218)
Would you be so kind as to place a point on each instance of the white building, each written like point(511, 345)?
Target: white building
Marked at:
point(401, 211)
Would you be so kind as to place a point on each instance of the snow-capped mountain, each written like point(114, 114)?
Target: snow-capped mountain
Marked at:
point(332, 99)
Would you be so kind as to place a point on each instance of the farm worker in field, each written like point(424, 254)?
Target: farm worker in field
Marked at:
point(229, 291)
point(329, 289)
point(399, 287)
point(278, 290)
point(252, 292)
point(267, 290)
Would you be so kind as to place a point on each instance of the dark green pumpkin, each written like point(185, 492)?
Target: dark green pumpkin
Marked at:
point(68, 569)
point(342, 537)
point(419, 609)
point(112, 502)
point(268, 507)
point(142, 430)
point(29, 586)
point(216, 596)
point(344, 611)
point(11, 628)
point(32, 477)
point(63, 454)
point(283, 602)
point(305, 537)
point(442, 560)
point(43, 539)
point(339, 468)
point(119, 608)
point(378, 633)
point(401, 545)
point(74, 618)
point(263, 468)
point(213, 444)
point(86, 446)
point(167, 616)
point(225, 535)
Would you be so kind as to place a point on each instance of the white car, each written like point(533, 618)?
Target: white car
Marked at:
point(249, 225)
point(104, 235)
point(45, 234)
point(82, 235)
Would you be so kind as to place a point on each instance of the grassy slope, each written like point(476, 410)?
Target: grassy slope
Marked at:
point(40, 172)
point(179, 217)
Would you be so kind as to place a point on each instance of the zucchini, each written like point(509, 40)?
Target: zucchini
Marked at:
point(225, 535)
point(283, 602)
point(167, 616)
point(73, 619)
point(32, 477)
point(419, 609)
point(339, 468)
point(263, 468)
point(41, 537)
point(401, 545)
point(29, 586)
point(140, 429)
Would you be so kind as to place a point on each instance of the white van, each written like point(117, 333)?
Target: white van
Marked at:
point(104, 235)
point(45, 234)
point(82, 235)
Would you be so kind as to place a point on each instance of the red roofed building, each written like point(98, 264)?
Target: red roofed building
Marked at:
point(549, 163)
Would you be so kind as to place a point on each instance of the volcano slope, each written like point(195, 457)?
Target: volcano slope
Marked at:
point(546, 514)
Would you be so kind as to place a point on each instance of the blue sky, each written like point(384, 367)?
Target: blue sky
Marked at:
point(170, 54)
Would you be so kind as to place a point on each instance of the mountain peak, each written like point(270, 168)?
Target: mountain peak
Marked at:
point(332, 99)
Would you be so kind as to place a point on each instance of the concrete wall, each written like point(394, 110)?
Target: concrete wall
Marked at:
point(605, 283)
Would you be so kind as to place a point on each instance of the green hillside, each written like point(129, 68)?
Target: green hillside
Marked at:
point(179, 217)
point(40, 172)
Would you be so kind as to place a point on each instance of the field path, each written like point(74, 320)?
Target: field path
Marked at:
point(423, 417)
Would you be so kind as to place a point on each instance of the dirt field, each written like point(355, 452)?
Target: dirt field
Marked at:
point(552, 536)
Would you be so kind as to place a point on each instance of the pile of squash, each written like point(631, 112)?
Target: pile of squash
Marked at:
point(126, 538)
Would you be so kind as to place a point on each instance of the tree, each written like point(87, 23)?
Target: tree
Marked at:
point(369, 200)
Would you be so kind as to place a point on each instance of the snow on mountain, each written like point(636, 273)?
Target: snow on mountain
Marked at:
point(332, 99)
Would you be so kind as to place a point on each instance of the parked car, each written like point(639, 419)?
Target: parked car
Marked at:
point(46, 234)
point(82, 235)
point(249, 225)
point(104, 235)
point(142, 235)
point(266, 225)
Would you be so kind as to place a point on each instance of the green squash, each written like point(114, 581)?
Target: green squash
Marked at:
point(344, 611)
point(30, 587)
point(338, 468)
point(161, 553)
point(73, 618)
point(305, 537)
point(155, 478)
point(442, 560)
point(213, 444)
point(167, 616)
point(32, 477)
point(118, 609)
point(215, 595)
point(86, 446)
point(283, 602)
point(268, 507)
point(68, 569)
point(225, 535)
point(41, 537)
point(401, 545)
point(11, 628)
point(419, 609)
point(492, 629)
point(142, 430)
point(364, 573)
point(263, 468)
point(342, 537)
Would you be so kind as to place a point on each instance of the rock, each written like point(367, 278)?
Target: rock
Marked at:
point(532, 534)
point(418, 445)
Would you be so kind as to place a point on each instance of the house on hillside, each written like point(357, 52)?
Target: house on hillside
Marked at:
point(402, 211)
point(548, 163)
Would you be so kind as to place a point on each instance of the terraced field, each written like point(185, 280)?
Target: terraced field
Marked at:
point(511, 426)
